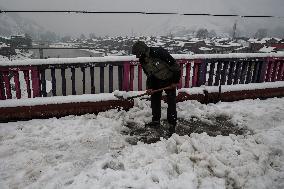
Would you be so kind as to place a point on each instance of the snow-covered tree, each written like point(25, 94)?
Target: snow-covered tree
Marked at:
point(202, 33)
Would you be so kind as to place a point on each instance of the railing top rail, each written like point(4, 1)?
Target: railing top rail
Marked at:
point(229, 55)
point(78, 60)
point(106, 59)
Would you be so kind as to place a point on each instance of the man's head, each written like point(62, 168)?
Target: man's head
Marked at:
point(139, 49)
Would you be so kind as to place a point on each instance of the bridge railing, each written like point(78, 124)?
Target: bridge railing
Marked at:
point(75, 76)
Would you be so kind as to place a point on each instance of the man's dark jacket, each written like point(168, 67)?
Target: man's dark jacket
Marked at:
point(161, 53)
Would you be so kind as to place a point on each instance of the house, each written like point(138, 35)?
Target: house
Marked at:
point(278, 46)
point(18, 41)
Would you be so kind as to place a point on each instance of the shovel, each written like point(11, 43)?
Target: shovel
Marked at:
point(136, 96)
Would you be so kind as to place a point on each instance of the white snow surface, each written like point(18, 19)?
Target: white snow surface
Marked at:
point(89, 151)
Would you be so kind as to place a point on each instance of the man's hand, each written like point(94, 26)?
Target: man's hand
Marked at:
point(149, 91)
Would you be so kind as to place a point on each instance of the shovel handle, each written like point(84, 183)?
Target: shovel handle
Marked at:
point(154, 91)
point(161, 89)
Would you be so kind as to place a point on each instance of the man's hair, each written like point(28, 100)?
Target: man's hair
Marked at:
point(139, 47)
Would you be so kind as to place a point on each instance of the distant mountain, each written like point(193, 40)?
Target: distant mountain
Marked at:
point(12, 24)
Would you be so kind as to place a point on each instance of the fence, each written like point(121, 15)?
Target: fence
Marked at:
point(105, 74)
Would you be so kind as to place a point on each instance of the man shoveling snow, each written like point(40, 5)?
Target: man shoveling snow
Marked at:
point(161, 70)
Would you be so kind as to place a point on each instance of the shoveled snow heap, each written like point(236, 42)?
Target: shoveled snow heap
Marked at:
point(89, 151)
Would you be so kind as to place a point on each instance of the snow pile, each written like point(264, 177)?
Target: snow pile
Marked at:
point(90, 152)
point(125, 95)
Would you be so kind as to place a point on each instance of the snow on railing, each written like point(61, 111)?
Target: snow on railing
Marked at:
point(89, 75)
point(83, 60)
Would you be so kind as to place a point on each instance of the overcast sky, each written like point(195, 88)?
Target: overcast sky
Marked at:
point(109, 24)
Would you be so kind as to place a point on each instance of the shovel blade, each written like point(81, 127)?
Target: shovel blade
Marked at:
point(119, 97)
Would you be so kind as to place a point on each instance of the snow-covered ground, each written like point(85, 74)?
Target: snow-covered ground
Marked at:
point(89, 152)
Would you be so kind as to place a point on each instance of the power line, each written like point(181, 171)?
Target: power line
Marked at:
point(138, 12)
point(70, 11)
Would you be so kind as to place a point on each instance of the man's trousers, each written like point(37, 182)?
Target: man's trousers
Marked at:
point(171, 111)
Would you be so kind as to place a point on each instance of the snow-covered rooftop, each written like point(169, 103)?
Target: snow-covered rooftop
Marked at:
point(205, 49)
point(266, 49)
point(263, 40)
point(3, 45)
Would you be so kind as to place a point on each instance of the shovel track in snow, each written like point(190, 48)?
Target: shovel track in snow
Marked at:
point(213, 126)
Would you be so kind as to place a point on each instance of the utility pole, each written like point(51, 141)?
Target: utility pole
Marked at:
point(40, 53)
point(234, 30)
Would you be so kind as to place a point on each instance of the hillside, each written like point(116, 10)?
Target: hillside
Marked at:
point(12, 24)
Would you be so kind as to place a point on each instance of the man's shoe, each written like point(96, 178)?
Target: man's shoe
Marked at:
point(153, 124)
point(172, 130)
point(168, 125)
